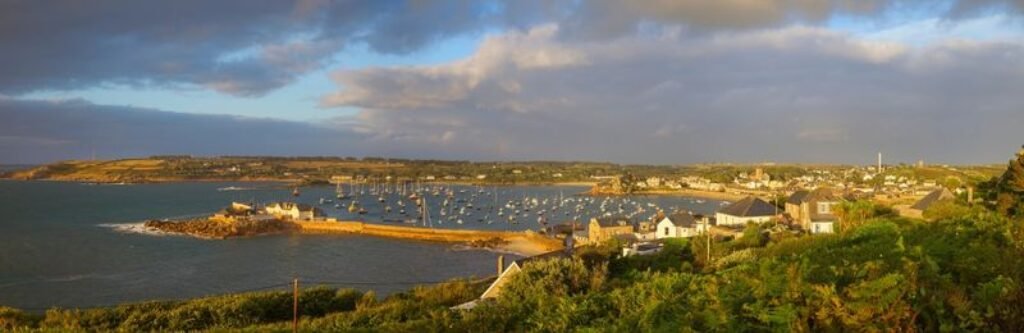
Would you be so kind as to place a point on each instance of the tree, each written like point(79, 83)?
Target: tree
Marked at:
point(1011, 187)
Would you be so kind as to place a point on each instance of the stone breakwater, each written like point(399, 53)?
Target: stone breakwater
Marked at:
point(522, 242)
point(213, 229)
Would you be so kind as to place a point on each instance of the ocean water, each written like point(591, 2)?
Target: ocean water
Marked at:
point(79, 245)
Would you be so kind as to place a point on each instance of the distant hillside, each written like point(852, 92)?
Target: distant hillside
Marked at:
point(322, 169)
point(313, 169)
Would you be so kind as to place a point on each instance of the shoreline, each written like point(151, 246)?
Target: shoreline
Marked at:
point(724, 196)
point(290, 182)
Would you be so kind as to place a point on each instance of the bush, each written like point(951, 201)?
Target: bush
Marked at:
point(12, 319)
point(229, 311)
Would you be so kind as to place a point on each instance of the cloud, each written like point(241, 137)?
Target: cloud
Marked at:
point(432, 86)
point(803, 94)
point(244, 48)
point(43, 131)
point(251, 47)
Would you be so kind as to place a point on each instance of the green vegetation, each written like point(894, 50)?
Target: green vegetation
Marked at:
point(1010, 188)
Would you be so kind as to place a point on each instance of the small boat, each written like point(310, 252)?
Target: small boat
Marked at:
point(295, 192)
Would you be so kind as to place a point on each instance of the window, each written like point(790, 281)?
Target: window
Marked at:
point(666, 231)
point(824, 208)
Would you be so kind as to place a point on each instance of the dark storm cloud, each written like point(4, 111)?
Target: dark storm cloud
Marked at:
point(794, 94)
point(250, 47)
point(237, 47)
point(44, 131)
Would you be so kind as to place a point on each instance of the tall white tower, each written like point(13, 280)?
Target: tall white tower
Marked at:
point(879, 162)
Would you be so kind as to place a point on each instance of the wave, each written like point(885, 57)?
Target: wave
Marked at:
point(136, 228)
point(235, 188)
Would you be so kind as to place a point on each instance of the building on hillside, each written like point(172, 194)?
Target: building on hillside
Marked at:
point(750, 209)
point(603, 229)
point(515, 267)
point(938, 195)
point(678, 225)
point(293, 211)
point(644, 230)
point(814, 210)
point(641, 249)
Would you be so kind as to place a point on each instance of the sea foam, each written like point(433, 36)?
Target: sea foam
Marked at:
point(135, 228)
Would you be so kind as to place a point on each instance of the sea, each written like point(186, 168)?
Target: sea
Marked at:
point(80, 245)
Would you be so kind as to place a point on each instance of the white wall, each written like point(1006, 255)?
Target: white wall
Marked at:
point(729, 220)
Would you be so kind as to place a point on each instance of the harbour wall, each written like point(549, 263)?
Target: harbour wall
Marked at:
point(422, 233)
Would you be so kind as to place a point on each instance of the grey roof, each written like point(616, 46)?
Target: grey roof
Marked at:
point(932, 198)
point(613, 221)
point(749, 207)
point(543, 256)
point(684, 220)
point(797, 197)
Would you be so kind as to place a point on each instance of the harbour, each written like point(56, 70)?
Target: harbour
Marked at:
point(105, 257)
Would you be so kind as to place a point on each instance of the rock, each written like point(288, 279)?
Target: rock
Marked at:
point(206, 228)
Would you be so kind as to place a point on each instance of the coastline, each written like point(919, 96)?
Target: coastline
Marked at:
point(726, 196)
point(289, 181)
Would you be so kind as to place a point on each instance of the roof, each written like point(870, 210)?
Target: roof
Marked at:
point(682, 219)
point(613, 221)
point(543, 256)
point(932, 198)
point(288, 205)
point(797, 197)
point(749, 207)
point(822, 194)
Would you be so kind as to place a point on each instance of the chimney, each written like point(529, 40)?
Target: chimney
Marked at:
point(501, 264)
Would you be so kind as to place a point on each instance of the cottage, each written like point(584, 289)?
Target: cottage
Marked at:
point(293, 211)
point(813, 210)
point(515, 267)
point(641, 249)
point(677, 225)
point(602, 229)
point(750, 209)
point(939, 195)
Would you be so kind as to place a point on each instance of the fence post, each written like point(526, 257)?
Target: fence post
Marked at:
point(295, 305)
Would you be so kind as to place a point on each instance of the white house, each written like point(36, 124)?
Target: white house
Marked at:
point(292, 211)
point(750, 209)
point(677, 225)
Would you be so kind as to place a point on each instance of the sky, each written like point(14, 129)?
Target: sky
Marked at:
point(647, 81)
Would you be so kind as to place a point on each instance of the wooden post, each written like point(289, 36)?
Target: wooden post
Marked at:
point(709, 249)
point(295, 305)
